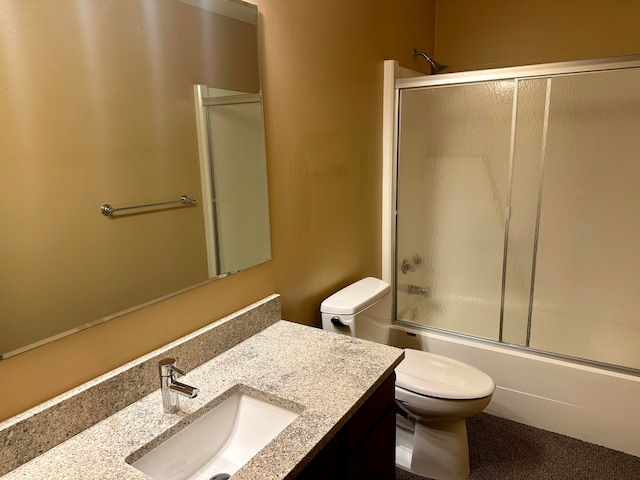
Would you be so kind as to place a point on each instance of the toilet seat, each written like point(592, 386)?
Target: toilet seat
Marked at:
point(436, 376)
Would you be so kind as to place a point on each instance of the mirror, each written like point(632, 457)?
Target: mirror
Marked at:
point(98, 107)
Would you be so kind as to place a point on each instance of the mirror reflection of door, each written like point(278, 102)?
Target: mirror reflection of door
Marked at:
point(234, 178)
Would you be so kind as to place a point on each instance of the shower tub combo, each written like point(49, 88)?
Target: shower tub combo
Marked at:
point(511, 230)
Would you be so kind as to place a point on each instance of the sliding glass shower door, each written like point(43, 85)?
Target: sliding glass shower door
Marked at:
point(453, 179)
point(586, 300)
point(518, 212)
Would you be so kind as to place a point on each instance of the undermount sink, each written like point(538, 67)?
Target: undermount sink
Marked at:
point(219, 442)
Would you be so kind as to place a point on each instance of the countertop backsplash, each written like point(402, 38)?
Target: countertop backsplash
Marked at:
point(41, 428)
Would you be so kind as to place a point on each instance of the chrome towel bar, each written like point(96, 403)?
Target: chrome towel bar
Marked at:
point(108, 210)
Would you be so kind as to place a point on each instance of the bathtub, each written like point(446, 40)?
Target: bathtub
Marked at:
point(593, 404)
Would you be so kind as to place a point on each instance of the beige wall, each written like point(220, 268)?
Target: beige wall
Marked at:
point(496, 33)
point(323, 86)
point(322, 79)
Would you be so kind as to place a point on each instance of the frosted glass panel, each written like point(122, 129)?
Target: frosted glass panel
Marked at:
point(529, 147)
point(586, 299)
point(453, 167)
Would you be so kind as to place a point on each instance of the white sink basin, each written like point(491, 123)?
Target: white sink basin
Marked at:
point(220, 441)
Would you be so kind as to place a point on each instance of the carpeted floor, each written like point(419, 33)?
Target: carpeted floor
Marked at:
point(501, 449)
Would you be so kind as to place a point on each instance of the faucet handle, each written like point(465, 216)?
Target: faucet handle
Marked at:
point(167, 366)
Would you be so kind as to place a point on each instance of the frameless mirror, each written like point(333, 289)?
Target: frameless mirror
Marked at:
point(127, 103)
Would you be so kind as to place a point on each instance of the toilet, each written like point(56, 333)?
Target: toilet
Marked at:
point(435, 393)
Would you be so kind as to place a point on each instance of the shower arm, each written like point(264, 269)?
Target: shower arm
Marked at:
point(435, 66)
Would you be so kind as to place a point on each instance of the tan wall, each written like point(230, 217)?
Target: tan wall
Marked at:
point(498, 33)
point(323, 94)
point(323, 86)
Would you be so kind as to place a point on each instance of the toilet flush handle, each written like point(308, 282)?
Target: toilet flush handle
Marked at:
point(339, 322)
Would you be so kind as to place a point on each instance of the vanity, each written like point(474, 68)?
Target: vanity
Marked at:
point(340, 388)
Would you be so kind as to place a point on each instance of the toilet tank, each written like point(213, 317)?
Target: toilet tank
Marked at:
point(362, 310)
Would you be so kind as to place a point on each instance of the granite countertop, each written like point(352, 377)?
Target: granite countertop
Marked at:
point(325, 376)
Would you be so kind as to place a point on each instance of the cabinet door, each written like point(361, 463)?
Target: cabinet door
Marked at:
point(365, 447)
point(374, 457)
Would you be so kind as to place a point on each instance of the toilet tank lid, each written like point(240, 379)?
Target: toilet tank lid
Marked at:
point(356, 297)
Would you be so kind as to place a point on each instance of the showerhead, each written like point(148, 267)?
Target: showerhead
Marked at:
point(435, 66)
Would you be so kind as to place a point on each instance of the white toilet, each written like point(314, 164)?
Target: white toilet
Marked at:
point(435, 393)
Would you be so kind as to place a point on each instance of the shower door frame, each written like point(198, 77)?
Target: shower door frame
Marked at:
point(390, 263)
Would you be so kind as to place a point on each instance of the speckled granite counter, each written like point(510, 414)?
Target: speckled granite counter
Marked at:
point(327, 376)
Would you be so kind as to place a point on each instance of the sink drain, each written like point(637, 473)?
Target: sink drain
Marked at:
point(220, 476)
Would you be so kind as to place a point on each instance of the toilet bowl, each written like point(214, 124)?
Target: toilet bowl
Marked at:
point(435, 393)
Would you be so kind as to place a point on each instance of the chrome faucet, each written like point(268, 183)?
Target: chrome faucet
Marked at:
point(171, 388)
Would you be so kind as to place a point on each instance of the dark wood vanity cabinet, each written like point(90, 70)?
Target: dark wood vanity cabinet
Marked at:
point(365, 447)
